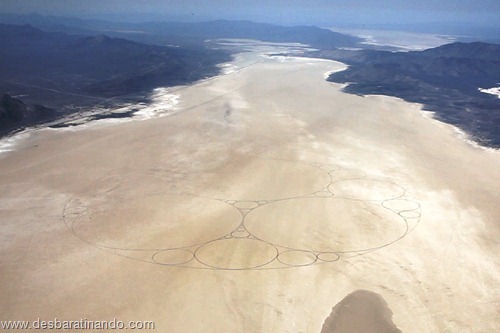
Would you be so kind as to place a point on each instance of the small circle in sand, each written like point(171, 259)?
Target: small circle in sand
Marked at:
point(328, 256)
point(173, 257)
point(366, 189)
point(297, 258)
point(236, 253)
point(157, 222)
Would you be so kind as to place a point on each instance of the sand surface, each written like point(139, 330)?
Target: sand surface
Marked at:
point(258, 205)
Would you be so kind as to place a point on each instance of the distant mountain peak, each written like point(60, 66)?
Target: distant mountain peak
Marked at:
point(474, 50)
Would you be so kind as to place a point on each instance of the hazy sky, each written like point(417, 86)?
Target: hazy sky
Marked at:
point(320, 12)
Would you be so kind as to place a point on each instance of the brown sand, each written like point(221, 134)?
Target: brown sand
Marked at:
point(143, 220)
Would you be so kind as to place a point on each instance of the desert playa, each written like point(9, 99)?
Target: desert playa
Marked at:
point(257, 204)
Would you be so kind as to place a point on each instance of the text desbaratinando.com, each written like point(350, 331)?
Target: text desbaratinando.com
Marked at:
point(82, 324)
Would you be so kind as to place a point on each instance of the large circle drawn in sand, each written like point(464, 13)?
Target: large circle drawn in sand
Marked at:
point(157, 222)
point(366, 189)
point(326, 224)
point(265, 179)
point(234, 254)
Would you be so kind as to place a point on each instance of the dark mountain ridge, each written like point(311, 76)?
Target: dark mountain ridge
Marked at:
point(474, 50)
point(80, 63)
point(313, 36)
point(71, 72)
point(187, 33)
point(445, 80)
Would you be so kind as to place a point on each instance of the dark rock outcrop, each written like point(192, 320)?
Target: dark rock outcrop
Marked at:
point(361, 311)
point(14, 114)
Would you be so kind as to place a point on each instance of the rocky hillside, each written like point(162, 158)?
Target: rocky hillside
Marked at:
point(14, 114)
point(445, 80)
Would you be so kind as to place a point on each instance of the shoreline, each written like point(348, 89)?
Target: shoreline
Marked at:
point(461, 134)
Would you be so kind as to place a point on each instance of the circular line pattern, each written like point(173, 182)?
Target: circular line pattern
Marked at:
point(241, 249)
point(336, 224)
point(173, 257)
point(328, 256)
point(297, 258)
point(164, 218)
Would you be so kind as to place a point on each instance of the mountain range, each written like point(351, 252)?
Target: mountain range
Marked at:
point(69, 64)
point(76, 64)
point(446, 80)
point(68, 73)
point(187, 33)
point(97, 65)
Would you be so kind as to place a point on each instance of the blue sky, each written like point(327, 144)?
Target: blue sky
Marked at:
point(318, 12)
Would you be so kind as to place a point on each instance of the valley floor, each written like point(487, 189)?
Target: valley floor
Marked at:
point(265, 199)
